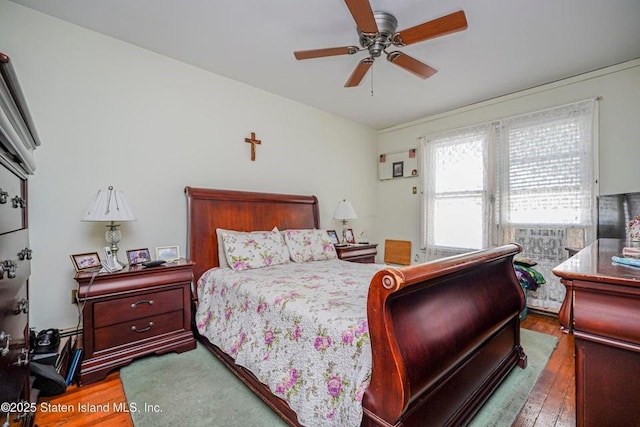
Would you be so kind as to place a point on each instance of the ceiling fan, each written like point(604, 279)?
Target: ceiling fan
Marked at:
point(377, 32)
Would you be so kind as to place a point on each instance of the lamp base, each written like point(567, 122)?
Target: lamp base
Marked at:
point(113, 236)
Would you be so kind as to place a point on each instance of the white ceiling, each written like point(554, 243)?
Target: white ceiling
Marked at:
point(509, 45)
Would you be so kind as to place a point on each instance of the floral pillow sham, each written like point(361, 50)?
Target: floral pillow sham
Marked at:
point(257, 249)
point(309, 245)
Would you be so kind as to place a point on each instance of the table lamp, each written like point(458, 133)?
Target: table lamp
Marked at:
point(344, 212)
point(110, 206)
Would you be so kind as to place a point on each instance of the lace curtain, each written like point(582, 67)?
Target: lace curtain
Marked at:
point(456, 199)
point(528, 179)
point(547, 189)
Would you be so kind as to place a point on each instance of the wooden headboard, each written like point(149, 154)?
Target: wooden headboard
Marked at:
point(209, 209)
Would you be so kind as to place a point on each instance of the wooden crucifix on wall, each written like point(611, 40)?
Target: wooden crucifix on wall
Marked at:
point(253, 141)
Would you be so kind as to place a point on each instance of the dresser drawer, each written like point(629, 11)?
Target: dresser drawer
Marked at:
point(136, 330)
point(12, 212)
point(10, 245)
point(136, 307)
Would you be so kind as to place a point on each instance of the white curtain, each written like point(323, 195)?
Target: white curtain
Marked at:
point(547, 189)
point(529, 179)
point(457, 191)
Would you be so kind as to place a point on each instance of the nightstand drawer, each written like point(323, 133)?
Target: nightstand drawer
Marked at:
point(135, 330)
point(136, 307)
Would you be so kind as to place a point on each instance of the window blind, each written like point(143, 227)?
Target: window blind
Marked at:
point(548, 178)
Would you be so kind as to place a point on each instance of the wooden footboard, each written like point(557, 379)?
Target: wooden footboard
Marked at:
point(443, 336)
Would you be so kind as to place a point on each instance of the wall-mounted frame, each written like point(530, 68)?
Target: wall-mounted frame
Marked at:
point(402, 164)
point(398, 169)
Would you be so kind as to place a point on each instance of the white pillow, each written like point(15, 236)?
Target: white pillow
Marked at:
point(254, 250)
point(309, 245)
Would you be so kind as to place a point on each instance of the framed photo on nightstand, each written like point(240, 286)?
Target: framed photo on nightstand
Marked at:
point(86, 262)
point(333, 236)
point(349, 237)
point(167, 253)
point(138, 256)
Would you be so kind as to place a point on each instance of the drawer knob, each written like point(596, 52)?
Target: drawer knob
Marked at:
point(3, 196)
point(23, 358)
point(25, 254)
point(22, 307)
point(9, 267)
point(4, 338)
point(18, 202)
point(142, 301)
point(134, 329)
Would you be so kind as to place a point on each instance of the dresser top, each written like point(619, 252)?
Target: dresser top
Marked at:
point(594, 264)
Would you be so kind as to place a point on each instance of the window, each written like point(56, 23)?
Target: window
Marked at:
point(528, 179)
point(537, 166)
point(456, 188)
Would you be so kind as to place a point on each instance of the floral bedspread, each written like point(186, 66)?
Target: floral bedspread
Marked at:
point(301, 328)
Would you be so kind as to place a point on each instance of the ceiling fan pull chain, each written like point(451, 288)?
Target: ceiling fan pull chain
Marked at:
point(371, 79)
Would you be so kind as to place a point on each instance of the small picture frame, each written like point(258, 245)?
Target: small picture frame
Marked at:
point(333, 236)
point(167, 253)
point(138, 256)
point(86, 262)
point(349, 237)
point(398, 169)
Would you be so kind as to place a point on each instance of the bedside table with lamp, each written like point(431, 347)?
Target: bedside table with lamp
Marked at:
point(349, 250)
point(129, 312)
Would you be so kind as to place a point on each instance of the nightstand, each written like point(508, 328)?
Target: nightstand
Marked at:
point(360, 252)
point(132, 313)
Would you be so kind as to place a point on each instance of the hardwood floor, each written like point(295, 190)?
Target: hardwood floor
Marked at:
point(552, 400)
point(550, 403)
point(86, 406)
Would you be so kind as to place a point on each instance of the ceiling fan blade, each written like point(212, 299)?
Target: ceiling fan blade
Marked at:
point(359, 72)
point(330, 51)
point(411, 64)
point(447, 24)
point(363, 15)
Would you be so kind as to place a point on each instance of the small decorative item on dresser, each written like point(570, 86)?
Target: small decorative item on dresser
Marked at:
point(138, 256)
point(167, 253)
point(633, 229)
point(86, 262)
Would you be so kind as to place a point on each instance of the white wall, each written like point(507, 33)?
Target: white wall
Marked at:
point(619, 138)
point(109, 113)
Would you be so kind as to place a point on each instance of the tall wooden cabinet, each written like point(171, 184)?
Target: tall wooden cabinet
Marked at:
point(17, 141)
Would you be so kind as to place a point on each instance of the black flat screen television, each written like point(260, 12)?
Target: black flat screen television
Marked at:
point(614, 213)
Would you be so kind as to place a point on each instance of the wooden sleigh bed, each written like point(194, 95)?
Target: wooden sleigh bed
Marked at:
point(443, 334)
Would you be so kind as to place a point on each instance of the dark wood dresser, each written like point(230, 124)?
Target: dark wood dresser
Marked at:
point(132, 313)
point(602, 310)
point(18, 139)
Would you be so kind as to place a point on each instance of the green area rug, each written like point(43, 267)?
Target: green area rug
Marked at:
point(195, 389)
